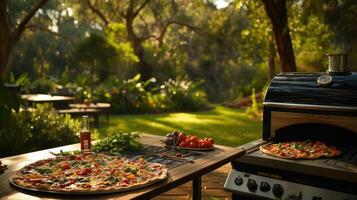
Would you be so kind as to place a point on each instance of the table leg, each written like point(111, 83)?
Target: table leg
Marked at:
point(196, 188)
point(96, 120)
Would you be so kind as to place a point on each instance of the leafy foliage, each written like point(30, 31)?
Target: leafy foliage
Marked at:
point(137, 96)
point(182, 94)
point(41, 86)
point(118, 142)
point(37, 129)
point(228, 48)
point(131, 96)
point(254, 110)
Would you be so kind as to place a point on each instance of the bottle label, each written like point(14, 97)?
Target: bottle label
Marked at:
point(85, 144)
point(85, 139)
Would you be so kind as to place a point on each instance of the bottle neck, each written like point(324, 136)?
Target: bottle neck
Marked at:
point(85, 124)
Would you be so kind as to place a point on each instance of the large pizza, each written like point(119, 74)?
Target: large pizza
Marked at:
point(300, 150)
point(88, 173)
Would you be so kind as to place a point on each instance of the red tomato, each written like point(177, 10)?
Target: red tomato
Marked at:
point(84, 172)
point(183, 144)
point(194, 139)
point(208, 144)
point(78, 158)
point(66, 166)
point(125, 180)
point(182, 136)
point(187, 141)
point(193, 145)
point(211, 140)
point(200, 144)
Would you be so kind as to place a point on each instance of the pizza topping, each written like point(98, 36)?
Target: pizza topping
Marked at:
point(65, 166)
point(93, 172)
point(300, 150)
point(43, 170)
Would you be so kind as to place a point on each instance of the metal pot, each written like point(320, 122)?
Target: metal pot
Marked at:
point(337, 63)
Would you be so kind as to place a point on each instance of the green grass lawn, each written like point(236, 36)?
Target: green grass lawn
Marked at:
point(227, 126)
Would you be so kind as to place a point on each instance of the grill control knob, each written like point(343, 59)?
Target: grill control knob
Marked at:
point(278, 190)
point(252, 185)
point(238, 180)
point(264, 186)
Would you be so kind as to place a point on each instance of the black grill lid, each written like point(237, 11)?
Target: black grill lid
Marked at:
point(304, 89)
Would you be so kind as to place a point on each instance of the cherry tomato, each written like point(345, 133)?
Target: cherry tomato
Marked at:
point(211, 140)
point(183, 144)
point(182, 136)
point(66, 166)
point(84, 172)
point(78, 158)
point(200, 144)
point(187, 141)
point(194, 139)
point(208, 144)
point(125, 180)
point(193, 145)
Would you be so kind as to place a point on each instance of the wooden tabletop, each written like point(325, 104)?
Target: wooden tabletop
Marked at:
point(91, 105)
point(177, 176)
point(45, 98)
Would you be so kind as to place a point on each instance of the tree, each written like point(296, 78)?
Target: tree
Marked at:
point(129, 13)
point(10, 34)
point(340, 17)
point(276, 11)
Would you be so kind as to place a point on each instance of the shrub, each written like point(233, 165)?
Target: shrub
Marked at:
point(37, 129)
point(182, 94)
point(41, 86)
point(50, 129)
point(254, 111)
point(131, 96)
point(15, 135)
point(137, 96)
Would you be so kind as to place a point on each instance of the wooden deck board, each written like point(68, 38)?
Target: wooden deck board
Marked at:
point(212, 187)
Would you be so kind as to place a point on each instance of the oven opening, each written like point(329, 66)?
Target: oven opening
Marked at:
point(330, 134)
point(344, 139)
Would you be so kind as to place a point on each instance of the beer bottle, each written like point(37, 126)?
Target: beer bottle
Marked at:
point(85, 136)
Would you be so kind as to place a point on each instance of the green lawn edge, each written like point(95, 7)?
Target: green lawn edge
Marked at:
point(231, 127)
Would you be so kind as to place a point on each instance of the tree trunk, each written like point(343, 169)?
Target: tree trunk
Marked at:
point(10, 36)
point(271, 59)
point(4, 37)
point(276, 10)
point(143, 67)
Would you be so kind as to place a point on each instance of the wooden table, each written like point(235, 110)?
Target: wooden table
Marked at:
point(102, 107)
point(177, 176)
point(57, 101)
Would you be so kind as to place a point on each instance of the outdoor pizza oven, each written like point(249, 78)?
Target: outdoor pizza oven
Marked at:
point(303, 106)
point(296, 106)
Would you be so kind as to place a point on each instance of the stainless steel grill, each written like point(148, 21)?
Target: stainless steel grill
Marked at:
point(301, 106)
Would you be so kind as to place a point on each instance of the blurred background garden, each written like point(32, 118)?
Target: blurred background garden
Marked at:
point(200, 66)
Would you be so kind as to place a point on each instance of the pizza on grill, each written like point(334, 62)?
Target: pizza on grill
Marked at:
point(88, 173)
point(300, 150)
